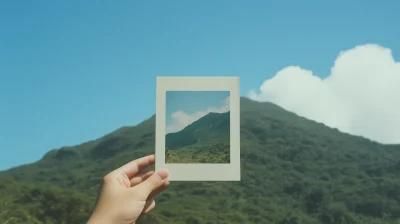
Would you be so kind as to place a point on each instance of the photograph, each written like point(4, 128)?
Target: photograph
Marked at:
point(197, 127)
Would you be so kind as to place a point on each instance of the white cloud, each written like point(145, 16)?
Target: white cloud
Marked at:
point(180, 119)
point(361, 96)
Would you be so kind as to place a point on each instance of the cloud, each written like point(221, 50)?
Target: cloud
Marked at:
point(361, 96)
point(180, 119)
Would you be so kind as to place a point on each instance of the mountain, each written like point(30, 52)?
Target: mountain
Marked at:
point(207, 140)
point(294, 171)
point(213, 127)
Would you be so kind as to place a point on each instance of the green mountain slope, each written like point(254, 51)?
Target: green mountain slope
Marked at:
point(204, 141)
point(211, 128)
point(293, 171)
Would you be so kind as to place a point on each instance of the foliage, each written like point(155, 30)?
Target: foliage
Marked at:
point(294, 171)
point(216, 153)
point(35, 204)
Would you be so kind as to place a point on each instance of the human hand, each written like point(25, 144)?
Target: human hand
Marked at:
point(128, 192)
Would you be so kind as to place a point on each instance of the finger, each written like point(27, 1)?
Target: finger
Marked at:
point(132, 168)
point(150, 204)
point(158, 190)
point(155, 181)
point(141, 176)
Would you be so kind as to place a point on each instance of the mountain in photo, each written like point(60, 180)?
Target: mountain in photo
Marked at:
point(211, 128)
point(294, 171)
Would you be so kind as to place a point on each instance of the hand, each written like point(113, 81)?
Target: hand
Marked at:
point(128, 193)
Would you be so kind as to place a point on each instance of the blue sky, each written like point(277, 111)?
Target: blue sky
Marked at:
point(73, 71)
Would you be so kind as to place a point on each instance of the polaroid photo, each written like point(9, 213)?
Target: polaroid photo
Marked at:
point(198, 128)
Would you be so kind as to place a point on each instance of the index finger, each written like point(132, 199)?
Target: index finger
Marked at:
point(132, 168)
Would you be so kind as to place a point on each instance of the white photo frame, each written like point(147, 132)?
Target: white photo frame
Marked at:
point(199, 171)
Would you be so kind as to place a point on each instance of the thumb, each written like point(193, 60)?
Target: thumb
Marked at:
point(151, 184)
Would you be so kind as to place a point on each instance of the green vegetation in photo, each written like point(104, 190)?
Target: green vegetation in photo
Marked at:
point(204, 141)
point(213, 153)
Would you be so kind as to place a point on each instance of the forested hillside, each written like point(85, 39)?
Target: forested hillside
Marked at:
point(293, 171)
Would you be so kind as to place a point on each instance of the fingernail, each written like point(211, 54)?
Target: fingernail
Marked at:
point(163, 173)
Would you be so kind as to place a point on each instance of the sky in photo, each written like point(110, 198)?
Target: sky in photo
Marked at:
point(185, 107)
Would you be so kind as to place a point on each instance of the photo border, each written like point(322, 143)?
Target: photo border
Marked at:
point(203, 171)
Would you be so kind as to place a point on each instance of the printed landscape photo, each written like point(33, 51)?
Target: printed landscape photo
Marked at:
point(197, 127)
